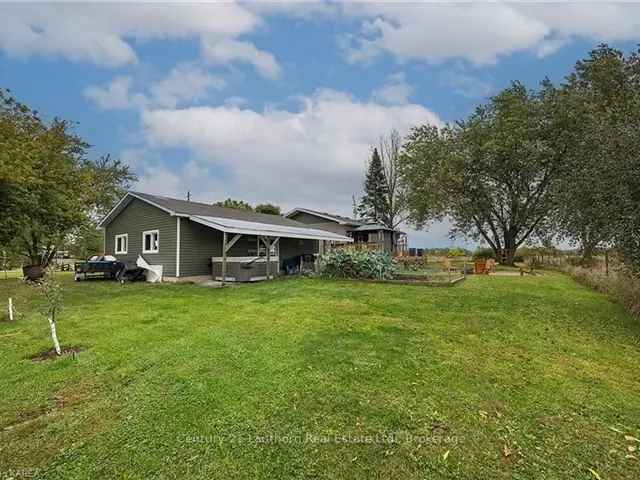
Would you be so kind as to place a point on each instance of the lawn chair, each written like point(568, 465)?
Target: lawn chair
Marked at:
point(480, 266)
point(490, 265)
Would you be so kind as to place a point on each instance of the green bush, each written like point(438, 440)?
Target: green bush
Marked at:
point(352, 263)
point(484, 253)
point(411, 263)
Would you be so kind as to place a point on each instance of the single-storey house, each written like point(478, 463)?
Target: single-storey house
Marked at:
point(374, 236)
point(192, 239)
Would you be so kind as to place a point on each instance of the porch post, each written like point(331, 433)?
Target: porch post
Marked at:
point(224, 256)
point(268, 242)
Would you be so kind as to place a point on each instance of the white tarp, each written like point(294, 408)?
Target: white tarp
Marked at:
point(154, 272)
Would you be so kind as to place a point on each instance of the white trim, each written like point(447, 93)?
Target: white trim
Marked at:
point(106, 220)
point(170, 212)
point(177, 246)
point(147, 232)
point(102, 222)
point(126, 244)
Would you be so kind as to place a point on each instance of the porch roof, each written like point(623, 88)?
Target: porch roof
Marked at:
point(245, 227)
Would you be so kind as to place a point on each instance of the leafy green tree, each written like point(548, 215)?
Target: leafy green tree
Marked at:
point(373, 201)
point(598, 185)
point(237, 204)
point(268, 208)
point(490, 174)
point(48, 188)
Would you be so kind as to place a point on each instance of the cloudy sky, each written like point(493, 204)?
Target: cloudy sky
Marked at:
point(281, 102)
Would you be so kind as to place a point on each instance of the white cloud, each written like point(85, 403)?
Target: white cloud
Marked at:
point(184, 83)
point(101, 32)
point(482, 32)
point(395, 91)
point(224, 51)
point(466, 85)
point(114, 96)
point(313, 155)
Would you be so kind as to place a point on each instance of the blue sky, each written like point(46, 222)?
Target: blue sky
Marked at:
point(282, 102)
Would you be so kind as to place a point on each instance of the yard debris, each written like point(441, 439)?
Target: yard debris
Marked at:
point(506, 451)
point(629, 438)
point(446, 455)
point(594, 473)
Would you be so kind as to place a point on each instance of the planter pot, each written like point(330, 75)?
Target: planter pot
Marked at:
point(33, 272)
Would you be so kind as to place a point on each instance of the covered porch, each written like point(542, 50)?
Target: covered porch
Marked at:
point(254, 251)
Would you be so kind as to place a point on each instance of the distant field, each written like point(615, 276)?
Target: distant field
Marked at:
point(497, 377)
point(17, 273)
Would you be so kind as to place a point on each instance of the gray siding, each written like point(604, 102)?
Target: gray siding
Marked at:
point(136, 218)
point(322, 224)
point(197, 245)
point(304, 217)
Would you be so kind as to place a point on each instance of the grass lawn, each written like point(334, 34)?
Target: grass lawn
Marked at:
point(497, 377)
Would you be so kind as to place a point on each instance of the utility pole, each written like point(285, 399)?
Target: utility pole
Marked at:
point(188, 195)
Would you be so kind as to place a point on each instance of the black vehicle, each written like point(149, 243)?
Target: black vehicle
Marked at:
point(99, 266)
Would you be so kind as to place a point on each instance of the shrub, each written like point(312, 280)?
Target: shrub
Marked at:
point(411, 263)
point(622, 284)
point(484, 253)
point(352, 263)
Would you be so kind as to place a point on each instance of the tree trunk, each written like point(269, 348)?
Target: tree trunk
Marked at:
point(509, 250)
point(54, 336)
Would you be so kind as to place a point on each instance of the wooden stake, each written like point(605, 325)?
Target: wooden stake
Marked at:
point(10, 309)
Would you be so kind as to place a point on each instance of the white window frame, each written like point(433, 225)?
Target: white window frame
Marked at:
point(126, 244)
point(151, 232)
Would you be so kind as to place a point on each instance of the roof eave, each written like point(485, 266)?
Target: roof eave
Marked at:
point(270, 233)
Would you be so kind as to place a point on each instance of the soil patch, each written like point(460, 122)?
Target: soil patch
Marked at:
point(52, 355)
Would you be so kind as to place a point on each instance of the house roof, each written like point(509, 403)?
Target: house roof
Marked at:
point(244, 227)
point(360, 225)
point(229, 220)
point(373, 226)
point(329, 216)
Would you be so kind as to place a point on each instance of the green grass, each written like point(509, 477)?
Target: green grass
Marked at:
point(527, 378)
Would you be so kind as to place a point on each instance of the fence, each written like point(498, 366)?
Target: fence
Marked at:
point(436, 269)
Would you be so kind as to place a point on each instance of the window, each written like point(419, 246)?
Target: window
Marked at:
point(122, 243)
point(151, 241)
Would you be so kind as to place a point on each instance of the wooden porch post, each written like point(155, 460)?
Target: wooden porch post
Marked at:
point(224, 256)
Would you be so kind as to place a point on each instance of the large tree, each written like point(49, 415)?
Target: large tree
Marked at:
point(269, 208)
point(374, 197)
point(394, 207)
point(49, 190)
point(237, 204)
point(598, 195)
point(490, 174)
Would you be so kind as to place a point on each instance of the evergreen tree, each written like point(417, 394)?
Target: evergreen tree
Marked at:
point(373, 201)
